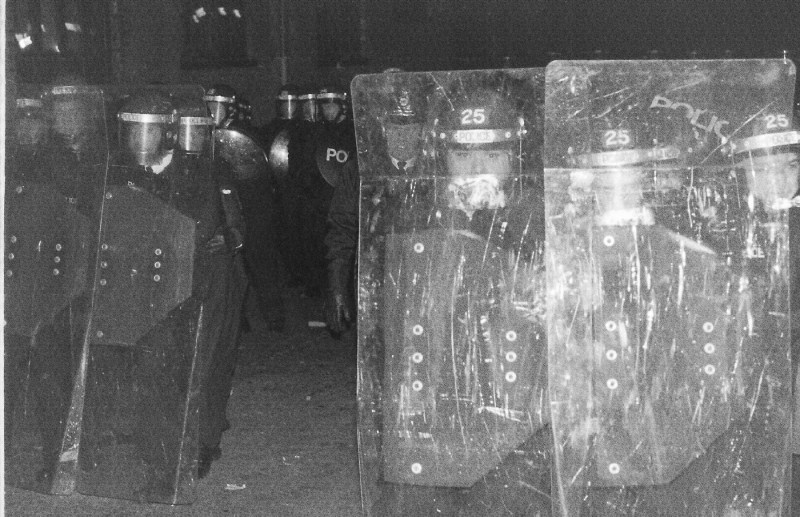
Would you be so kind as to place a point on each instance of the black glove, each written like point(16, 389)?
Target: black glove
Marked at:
point(337, 303)
point(216, 244)
point(337, 312)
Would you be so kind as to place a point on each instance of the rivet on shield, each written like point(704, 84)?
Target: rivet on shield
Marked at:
point(104, 264)
point(109, 195)
point(419, 247)
point(157, 278)
point(13, 238)
point(417, 330)
point(9, 273)
point(612, 384)
point(709, 348)
point(56, 259)
point(511, 377)
point(103, 281)
point(99, 333)
point(18, 190)
point(10, 256)
point(608, 240)
point(56, 272)
point(708, 327)
point(416, 357)
point(58, 247)
point(416, 385)
point(157, 265)
point(511, 335)
point(158, 251)
point(416, 468)
point(104, 247)
point(710, 369)
point(611, 355)
point(511, 356)
point(613, 468)
point(611, 325)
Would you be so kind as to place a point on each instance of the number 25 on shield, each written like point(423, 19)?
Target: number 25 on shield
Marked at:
point(473, 116)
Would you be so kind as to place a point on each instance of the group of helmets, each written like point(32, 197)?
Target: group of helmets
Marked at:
point(64, 112)
point(328, 104)
point(151, 123)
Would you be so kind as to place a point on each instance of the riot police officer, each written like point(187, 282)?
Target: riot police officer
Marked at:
point(402, 128)
point(221, 101)
point(257, 191)
point(450, 365)
point(770, 163)
point(325, 151)
point(164, 299)
point(55, 174)
point(282, 137)
point(194, 142)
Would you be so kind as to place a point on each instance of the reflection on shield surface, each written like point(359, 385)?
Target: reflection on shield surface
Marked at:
point(668, 285)
point(244, 154)
point(54, 194)
point(451, 340)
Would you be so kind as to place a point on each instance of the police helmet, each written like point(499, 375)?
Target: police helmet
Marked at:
point(770, 159)
point(308, 103)
point(221, 102)
point(195, 129)
point(332, 104)
point(478, 129)
point(287, 102)
point(72, 109)
point(477, 132)
point(147, 127)
point(30, 123)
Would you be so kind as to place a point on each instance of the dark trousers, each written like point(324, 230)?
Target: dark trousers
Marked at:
point(259, 207)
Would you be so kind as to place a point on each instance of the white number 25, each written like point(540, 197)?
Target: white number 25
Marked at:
point(774, 121)
point(616, 137)
point(473, 116)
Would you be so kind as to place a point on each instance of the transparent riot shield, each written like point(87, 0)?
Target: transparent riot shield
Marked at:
point(55, 176)
point(667, 188)
point(451, 338)
point(154, 319)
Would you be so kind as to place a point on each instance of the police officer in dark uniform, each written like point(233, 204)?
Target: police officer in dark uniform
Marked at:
point(55, 173)
point(455, 371)
point(402, 130)
point(194, 142)
point(258, 196)
point(325, 152)
point(282, 138)
point(171, 357)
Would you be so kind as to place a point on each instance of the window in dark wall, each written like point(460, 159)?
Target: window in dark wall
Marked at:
point(51, 37)
point(215, 35)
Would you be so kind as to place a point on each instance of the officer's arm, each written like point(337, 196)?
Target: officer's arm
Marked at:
point(341, 238)
point(341, 241)
point(233, 225)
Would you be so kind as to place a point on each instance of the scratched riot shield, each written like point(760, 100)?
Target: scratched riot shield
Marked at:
point(667, 188)
point(55, 176)
point(149, 339)
point(451, 332)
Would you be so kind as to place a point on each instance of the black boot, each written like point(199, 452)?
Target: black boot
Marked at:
point(206, 456)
